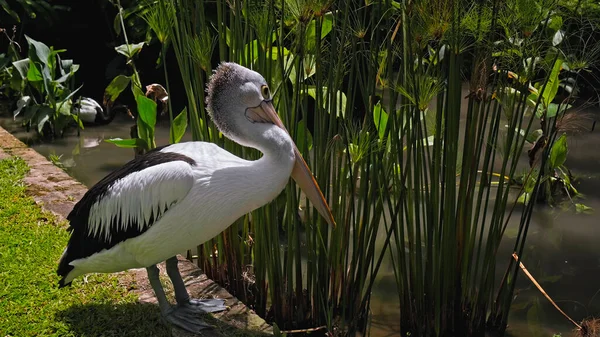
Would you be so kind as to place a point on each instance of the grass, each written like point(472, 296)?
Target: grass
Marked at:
point(31, 241)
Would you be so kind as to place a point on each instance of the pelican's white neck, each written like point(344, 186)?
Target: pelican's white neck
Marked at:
point(267, 176)
point(274, 143)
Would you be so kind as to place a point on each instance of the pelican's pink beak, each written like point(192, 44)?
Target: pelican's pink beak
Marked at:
point(265, 112)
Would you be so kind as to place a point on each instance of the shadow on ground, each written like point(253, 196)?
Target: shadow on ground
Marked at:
point(135, 319)
point(131, 319)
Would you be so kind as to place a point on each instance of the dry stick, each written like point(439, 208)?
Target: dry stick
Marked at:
point(516, 257)
point(305, 330)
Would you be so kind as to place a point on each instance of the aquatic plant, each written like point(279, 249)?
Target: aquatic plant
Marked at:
point(546, 55)
point(371, 93)
point(143, 138)
point(46, 84)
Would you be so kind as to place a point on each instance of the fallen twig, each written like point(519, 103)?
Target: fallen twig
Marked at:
point(305, 330)
point(516, 257)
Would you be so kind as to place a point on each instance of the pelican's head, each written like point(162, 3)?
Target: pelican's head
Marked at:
point(234, 93)
point(239, 103)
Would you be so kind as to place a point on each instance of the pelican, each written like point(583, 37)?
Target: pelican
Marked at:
point(91, 112)
point(181, 195)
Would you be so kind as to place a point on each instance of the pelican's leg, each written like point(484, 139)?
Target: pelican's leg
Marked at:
point(182, 296)
point(178, 316)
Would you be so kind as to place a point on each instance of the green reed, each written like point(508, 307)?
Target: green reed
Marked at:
point(371, 93)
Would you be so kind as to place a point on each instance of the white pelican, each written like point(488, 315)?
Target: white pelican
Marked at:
point(181, 195)
point(91, 112)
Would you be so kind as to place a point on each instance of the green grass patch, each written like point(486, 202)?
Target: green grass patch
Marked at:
point(31, 242)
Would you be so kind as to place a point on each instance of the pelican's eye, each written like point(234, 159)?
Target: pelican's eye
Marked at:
point(264, 90)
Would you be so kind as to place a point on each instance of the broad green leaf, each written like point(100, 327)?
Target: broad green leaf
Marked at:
point(131, 50)
point(22, 67)
point(63, 78)
point(38, 50)
point(555, 23)
point(42, 117)
point(303, 135)
point(127, 143)
point(33, 73)
point(137, 91)
point(534, 135)
point(311, 30)
point(380, 118)
point(555, 109)
point(48, 85)
point(144, 132)
point(179, 126)
point(558, 153)
point(115, 87)
point(146, 110)
point(552, 84)
point(64, 108)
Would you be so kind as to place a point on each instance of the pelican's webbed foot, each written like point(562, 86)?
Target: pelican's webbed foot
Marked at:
point(185, 314)
point(186, 319)
point(201, 306)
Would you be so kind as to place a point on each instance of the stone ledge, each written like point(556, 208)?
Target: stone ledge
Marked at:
point(56, 191)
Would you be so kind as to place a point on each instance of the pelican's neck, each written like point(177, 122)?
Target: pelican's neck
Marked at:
point(274, 143)
point(267, 176)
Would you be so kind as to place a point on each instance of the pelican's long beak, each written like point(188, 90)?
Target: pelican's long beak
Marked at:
point(265, 112)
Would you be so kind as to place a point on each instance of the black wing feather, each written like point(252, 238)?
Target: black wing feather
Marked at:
point(81, 243)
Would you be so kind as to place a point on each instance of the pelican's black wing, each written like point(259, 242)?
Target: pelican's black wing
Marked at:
point(125, 204)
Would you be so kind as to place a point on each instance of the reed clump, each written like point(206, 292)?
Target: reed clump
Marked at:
point(414, 117)
point(590, 327)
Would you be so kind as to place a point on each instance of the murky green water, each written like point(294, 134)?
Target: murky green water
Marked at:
point(562, 252)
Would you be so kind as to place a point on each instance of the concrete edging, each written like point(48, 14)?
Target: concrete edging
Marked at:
point(55, 191)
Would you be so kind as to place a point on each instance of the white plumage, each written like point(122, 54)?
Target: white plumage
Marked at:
point(174, 198)
point(91, 112)
point(138, 196)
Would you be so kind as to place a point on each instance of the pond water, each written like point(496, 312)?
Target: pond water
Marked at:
point(562, 250)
